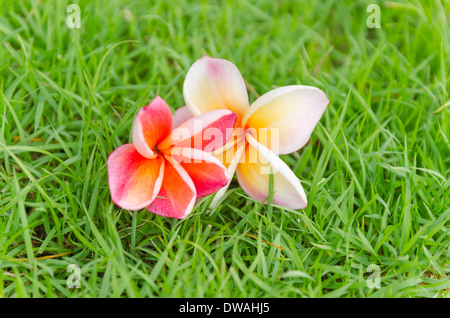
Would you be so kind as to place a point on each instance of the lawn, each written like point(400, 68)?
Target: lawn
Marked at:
point(376, 170)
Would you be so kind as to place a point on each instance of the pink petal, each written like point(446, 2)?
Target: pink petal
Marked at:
point(207, 131)
point(153, 123)
point(213, 83)
point(285, 118)
point(205, 170)
point(176, 199)
point(134, 180)
point(181, 115)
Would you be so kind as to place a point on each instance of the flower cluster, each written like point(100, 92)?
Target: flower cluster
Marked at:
point(175, 160)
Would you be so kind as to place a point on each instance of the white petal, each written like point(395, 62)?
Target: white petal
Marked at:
point(254, 174)
point(285, 117)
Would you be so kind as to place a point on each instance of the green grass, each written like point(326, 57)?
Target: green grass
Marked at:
point(376, 171)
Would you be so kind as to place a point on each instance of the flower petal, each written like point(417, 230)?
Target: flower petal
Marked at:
point(237, 150)
point(181, 115)
point(205, 170)
point(206, 132)
point(213, 83)
point(176, 199)
point(226, 153)
point(134, 180)
point(153, 123)
point(253, 176)
point(288, 114)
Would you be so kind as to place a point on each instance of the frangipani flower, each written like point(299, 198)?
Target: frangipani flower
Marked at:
point(166, 170)
point(279, 122)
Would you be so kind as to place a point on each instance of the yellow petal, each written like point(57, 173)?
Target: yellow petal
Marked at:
point(285, 118)
point(236, 153)
point(253, 174)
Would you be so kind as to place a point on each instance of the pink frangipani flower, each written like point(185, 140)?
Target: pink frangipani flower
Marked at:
point(166, 170)
point(279, 122)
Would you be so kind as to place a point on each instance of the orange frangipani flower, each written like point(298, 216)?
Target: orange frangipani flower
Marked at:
point(166, 170)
